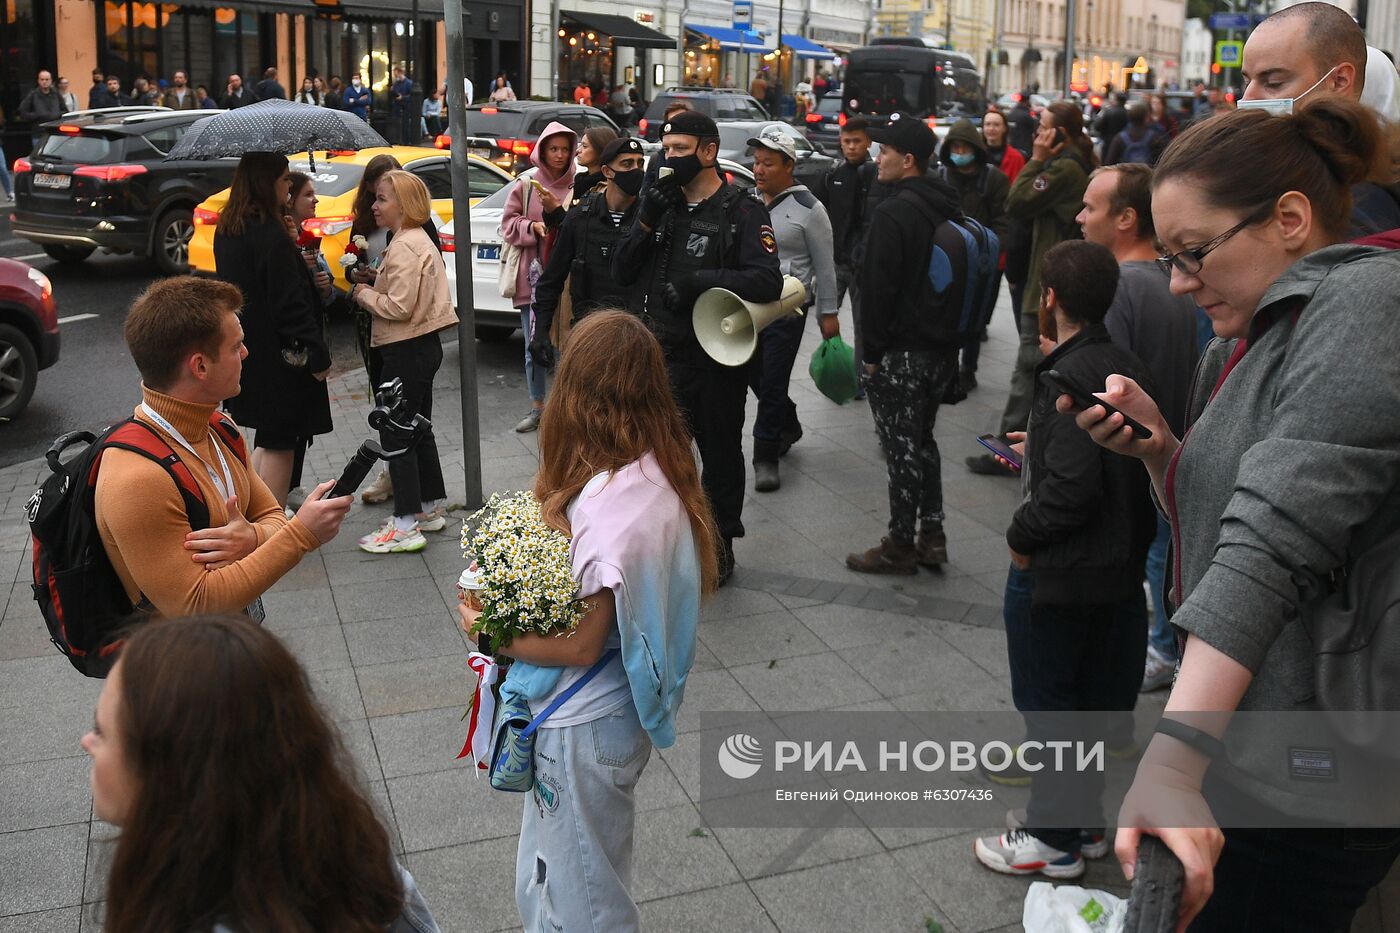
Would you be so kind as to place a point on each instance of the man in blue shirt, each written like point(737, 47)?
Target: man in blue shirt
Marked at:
point(358, 98)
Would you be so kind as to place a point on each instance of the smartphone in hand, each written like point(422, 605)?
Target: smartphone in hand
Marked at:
point(1002, 449)
point(1083, 400)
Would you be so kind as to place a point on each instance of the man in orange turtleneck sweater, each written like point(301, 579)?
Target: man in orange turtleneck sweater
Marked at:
point(186, 339)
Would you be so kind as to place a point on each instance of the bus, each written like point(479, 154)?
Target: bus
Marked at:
point(936, 85)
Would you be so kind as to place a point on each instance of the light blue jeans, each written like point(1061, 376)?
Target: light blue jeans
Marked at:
point(573, 870)
point(6, 181)
point(534, 375)
point(1160, 635)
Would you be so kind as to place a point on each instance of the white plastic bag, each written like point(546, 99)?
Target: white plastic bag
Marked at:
point(1072, 909)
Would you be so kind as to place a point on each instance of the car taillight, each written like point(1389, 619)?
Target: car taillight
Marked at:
point(814, 118)
point(111, 172)
point(327, 226)
point(520, 147)
point(448, 241)
point(642, 126)
point(443, 142)
point(203, 217)
point(841, 119)
point(489, 110)
point(932, 123)
point(68, 129)
point(22, 165)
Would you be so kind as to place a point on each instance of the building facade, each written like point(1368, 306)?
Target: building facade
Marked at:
point(1197, 53)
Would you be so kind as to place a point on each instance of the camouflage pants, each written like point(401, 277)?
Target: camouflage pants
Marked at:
point(904, 397)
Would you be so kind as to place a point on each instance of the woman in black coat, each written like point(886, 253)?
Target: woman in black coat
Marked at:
point(283, 393)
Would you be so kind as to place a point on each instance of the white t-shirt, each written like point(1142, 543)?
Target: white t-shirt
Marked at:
point(609, 689)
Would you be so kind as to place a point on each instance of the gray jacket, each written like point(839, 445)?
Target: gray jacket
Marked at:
point(805, 250)
point(1291, 466)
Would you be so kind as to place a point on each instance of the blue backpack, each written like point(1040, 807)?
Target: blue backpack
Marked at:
point(1143, 150)
point(975, 270)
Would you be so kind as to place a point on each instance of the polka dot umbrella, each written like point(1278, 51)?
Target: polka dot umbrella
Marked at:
point(282, 126)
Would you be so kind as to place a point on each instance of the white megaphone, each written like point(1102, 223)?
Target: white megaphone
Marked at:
point(727, 326)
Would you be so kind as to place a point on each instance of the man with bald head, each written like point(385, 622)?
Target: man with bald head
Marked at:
point(1304, 53)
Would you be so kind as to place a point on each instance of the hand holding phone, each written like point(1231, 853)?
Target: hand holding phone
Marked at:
point(1084, 400)
point(1003, 451)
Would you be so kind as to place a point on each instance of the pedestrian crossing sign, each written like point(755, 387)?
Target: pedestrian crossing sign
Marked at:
point(1228, 54)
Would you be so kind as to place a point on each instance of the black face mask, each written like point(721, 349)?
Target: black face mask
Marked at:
point(629, 183)
point(685, 167)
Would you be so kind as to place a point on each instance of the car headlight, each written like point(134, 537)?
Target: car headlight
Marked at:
point(41, 280)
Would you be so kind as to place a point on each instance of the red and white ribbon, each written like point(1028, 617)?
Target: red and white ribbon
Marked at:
point(483, 716)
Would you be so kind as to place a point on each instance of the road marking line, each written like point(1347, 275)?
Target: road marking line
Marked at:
point(73, 318)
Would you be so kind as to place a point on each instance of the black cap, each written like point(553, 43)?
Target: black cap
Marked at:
point(690, 123)
point(906, 134)
point(623, 145)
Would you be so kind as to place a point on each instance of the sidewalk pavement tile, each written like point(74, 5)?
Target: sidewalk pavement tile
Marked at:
point(405, 637)
point(414, 685)
point(44, 730)
point(974, 897)
point(763, 637)
point(360, 567)
point(658, 788)
point(448, 808)
point(730, 909)
point(711, 691)
point(867, 893)
point(469, 887)
point(24, 635)
point(415, 743)
point(318, 647)
point(310, 574)
point(811, 682)
point(362, 602)
point(42, 868)
point(292, 609)
point(52, 678)
point(355, 733)
point(36, 794)
point(63, 920)
point(760, 852)
point(675, 853)
point(338, 692)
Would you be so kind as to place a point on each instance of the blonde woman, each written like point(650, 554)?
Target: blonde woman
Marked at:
point(410, 304)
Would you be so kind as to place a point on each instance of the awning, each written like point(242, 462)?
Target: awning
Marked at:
point(734, 40)
point(803, 47)
point(622, 30)
point(1030, 56)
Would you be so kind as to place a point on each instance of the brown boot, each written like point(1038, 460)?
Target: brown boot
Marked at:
point(932, 547)
point(888, 556)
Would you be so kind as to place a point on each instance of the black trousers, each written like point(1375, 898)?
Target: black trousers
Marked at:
point(417, 475)
point(769, 373)
point(711, 399)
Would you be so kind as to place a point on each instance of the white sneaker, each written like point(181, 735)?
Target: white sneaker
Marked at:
point(1017, 852)
point(1091, 845)
point(436, 520)
point(1158, 672)
point(381, 490)
point(530, 422)
point(389, 539)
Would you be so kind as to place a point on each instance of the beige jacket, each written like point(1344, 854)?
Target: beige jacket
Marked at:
point(410, 296)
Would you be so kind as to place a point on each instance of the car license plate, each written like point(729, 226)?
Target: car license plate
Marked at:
point(492, 253)
point(44, 180)
point(480, 152)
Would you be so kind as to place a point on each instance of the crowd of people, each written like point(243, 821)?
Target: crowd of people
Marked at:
point(1240, 318)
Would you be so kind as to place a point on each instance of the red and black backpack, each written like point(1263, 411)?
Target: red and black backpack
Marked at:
point(78, 591)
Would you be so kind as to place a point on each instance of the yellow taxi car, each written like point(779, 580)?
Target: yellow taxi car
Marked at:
point(336, 178)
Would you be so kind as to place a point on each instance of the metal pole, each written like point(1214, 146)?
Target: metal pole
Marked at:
point(462, 224)
point(1069, 46)
point(553, 44)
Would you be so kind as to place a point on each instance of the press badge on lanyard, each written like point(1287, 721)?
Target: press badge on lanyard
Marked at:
point(223, 483)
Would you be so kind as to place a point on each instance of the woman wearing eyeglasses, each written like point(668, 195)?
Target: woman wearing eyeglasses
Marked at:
point(1291, 462)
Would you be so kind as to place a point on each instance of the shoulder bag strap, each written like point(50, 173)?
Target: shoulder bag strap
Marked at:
point(564, 697)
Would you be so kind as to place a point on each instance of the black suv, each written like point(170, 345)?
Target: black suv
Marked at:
point(719, 104)
point(98, 178)
point(506, 133)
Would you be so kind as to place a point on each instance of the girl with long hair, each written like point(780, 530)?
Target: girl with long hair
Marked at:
point(239, 807)
point(283, 391)
point(301, 207)
point(589, 158)
point(409, 304)
point(616, 475)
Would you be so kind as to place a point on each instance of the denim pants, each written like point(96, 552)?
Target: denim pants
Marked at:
point(6, 181)
point(573, 869)
point(904, 398)
point(416, 475)
point(848, 279)
point(1070, 658)
point(1161, 636)
point(770, 372)
point(534, 375)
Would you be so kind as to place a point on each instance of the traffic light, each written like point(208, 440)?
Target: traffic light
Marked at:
point(1215, 68)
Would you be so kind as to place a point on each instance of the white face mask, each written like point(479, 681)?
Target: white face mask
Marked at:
point(1281, 105)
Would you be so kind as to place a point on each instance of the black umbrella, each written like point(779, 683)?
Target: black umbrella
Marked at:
point(275, 126)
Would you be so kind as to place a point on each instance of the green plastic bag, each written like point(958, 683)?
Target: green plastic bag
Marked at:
point(833, 369)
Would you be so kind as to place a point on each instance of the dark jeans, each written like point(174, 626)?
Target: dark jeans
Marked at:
point(972, 346)
point(711, 399)
point(904, 397)
point(1293, 879)
point(848, 279)
point(1069, 658)
point(416, 475)
point(770, 371)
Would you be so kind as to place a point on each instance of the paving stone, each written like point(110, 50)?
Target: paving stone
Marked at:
point(294, 609)
point(361, 602)
point(811, 682)
point(53, 678)
point(25, 636)
point(406, 637)
point(415, 743)
point(731, 908)
point(974, 897)
point(359, 567)
point(36, 794)
point(446, 808)
point(318, 648)
point(338, 693)
point(868, 893)
point(42, 868)
point(309, 574)
point(759, 853)
point(755, 638)
point(41, 731)
point(707, 692)
point(63, 920)
point(469, 887)
point(419, 684)
point(676, 853)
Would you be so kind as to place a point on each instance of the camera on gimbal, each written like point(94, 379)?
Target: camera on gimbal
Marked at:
point(388, 417)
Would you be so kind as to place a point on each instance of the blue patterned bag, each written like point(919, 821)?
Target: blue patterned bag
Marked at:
point(513, 750)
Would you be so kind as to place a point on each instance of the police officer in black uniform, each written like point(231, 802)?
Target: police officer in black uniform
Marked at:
point(694, 232)
point(582, 253)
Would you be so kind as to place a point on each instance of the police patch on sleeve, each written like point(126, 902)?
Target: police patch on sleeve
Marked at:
point(1042, 181)
point(766, 237)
